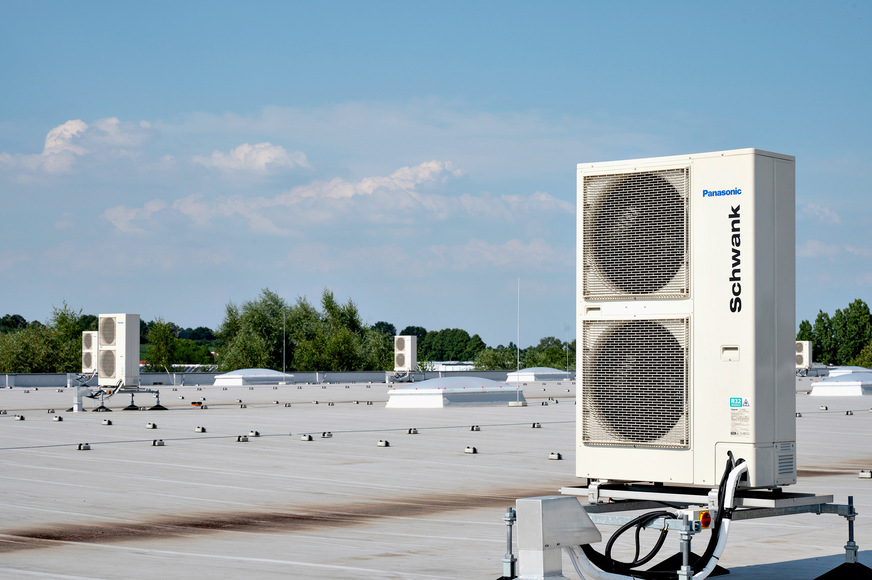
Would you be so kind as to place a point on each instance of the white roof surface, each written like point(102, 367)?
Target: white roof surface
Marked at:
point(206, 506)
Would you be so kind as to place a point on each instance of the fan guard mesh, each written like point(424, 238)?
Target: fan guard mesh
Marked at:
point(635, 235)
point(400, 360)
point(87, 360)
point(107, 364)
point(634, 383)
point(87, 340)
point(400, 343)
point(107, 331)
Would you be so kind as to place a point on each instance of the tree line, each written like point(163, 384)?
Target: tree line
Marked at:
point(266, 332)
point(845, 338)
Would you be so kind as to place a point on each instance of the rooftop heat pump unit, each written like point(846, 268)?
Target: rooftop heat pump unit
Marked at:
point(118, 350)
point(89, 351)
point(405, 353)
point(803, 354)
point(686, 281)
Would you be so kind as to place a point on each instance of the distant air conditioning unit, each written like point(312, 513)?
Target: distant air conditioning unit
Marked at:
point(803, 354)
point(89, 351)
point(118, 350)
point(405, 353)
point(686, 318)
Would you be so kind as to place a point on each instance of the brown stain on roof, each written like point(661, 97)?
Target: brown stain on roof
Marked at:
point(290, 520)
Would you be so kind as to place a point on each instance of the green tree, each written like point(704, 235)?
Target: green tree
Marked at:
point(28, 350)
point(852, 331)
point(162, 354)
point(385, 328)
point(822, 334)
point(12, 322)
point(192, 352)
point(378, 351)
point(55, 347)
point(418, 331)
point(550, 352)
point(805, 332)
point(500, 358)
point(66, 326)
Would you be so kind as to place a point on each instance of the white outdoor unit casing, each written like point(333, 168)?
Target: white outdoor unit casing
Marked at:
point(803, 354)
point(405, 353)
point(686, 293)
point(89, 351)
point(118, 344)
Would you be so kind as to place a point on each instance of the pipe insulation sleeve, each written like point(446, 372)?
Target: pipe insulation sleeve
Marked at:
point(585, 568)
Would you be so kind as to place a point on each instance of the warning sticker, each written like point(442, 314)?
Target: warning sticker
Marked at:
point(740, 421)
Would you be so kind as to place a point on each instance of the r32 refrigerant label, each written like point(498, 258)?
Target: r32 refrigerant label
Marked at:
point(740, 417)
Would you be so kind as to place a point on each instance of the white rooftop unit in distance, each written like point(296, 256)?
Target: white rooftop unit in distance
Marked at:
point(686, 282)
point(405, 353)
point(803, 354)
point(118, 344)
point(89, 351)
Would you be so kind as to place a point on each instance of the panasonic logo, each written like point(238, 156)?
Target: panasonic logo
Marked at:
point(736, 272)
point(721, 192)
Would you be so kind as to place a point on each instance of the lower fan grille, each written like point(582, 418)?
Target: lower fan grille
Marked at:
point(107, 364)
point(635, 383)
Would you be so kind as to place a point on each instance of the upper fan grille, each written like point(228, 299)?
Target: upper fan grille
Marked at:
point(107, 331)
point(87, 341)
point(400, 343)
point(635, 383)
point(635, 238)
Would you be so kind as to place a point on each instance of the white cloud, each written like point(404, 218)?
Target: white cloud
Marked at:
point(75, 139)
point(123, 217)
point(259, 157)
point(536, 254)
point(402, 197)
point(821, 213)
point(8, 259)
point(818, 249)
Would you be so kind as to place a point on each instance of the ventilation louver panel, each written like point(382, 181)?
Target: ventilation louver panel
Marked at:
point(107, 331)
point(635, 383)
point(635, 236)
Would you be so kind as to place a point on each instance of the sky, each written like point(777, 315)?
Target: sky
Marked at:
point(418, 158)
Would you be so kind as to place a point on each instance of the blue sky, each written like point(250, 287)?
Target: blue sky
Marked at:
point(166, 158)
